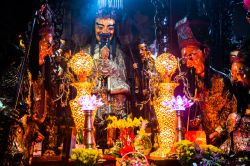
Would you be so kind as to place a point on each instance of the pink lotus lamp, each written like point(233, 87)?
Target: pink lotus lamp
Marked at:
point(178, 104)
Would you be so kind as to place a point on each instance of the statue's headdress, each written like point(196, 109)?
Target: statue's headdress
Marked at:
point(193, 30)
point(109, 8)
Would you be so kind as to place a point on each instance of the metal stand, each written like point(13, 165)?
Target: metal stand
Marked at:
point(179, 126)
point(89, 139)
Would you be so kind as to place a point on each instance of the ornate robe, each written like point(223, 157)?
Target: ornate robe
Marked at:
point(239, 134)
point(216, 103)
point(238, 125)
point(110, 75)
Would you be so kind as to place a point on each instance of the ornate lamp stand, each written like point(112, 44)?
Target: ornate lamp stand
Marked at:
point(166, 65)
point(166, 104)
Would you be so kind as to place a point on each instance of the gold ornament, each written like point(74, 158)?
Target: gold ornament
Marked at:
point(166, 119)
point(166, 65)
point(81, 64)
point(83, 88)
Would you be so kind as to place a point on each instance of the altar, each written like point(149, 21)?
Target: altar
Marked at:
point(106, 161)
point(106, 82)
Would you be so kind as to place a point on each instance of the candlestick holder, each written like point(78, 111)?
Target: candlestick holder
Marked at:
point(88, 130)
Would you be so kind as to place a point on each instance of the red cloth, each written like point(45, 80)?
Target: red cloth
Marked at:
point(198, 137)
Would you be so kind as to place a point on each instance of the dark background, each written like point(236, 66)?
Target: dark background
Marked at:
point(137, 18)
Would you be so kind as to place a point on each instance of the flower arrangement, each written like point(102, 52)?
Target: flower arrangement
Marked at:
point(126, 137)
point(85, 157)
point(125, 142)
point(203, 155)
point(142, 142)
point(88, 102)
point(134, 159)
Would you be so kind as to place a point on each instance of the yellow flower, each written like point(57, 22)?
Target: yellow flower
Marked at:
point(73, 157)
point(86, 156)
point(210, 148)
point(142, 132)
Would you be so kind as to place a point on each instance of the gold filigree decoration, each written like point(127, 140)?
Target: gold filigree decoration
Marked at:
point(81, 64)
point(166, 119)
point(166, 65)
point(83, 88)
